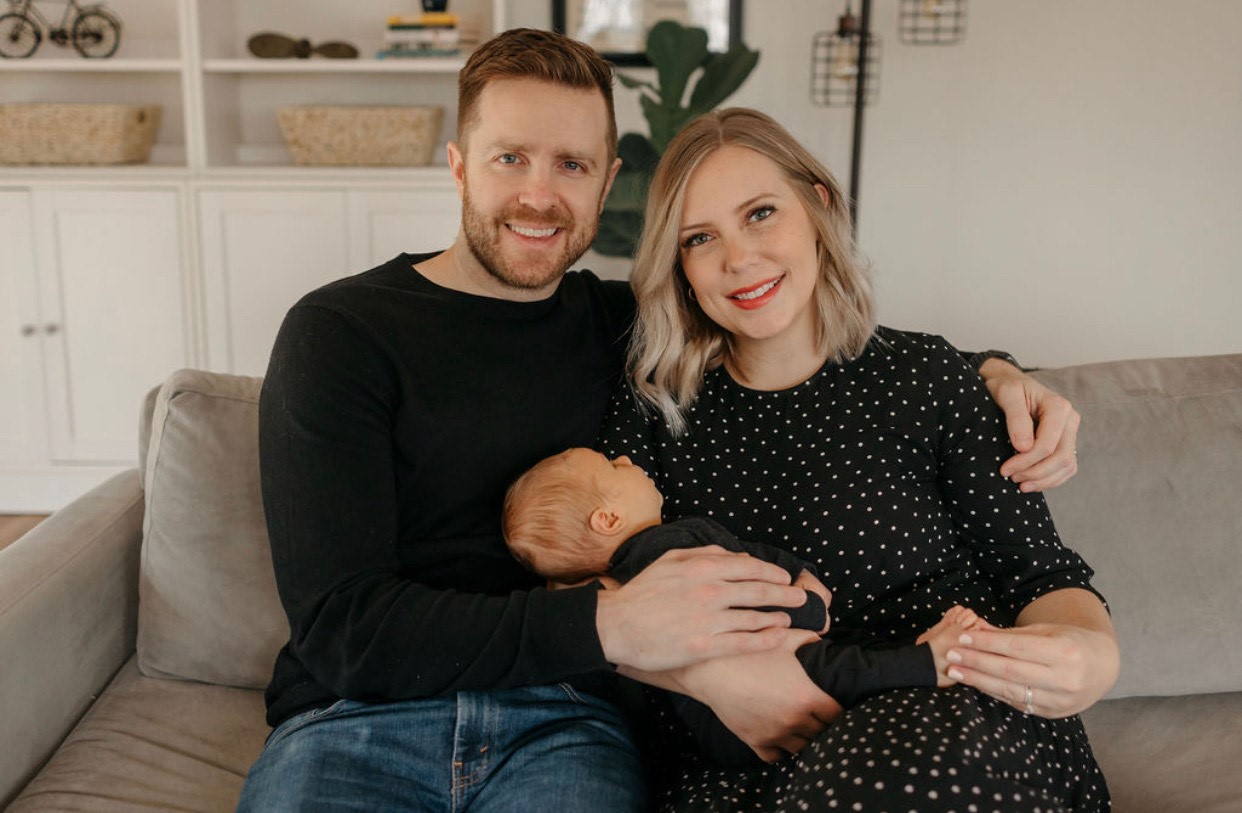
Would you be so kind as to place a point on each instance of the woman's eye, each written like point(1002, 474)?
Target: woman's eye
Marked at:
point(762, 213)
point(695, 240)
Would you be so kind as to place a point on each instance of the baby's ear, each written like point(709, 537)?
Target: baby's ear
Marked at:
point(606, 521)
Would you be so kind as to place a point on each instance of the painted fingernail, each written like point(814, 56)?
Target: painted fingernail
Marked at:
point(956, 675)
point(965, 640)
point(953, 656)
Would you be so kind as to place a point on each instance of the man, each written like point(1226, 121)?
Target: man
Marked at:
point(426, 670)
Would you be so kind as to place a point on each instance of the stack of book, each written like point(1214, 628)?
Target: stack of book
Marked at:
point(431, 33)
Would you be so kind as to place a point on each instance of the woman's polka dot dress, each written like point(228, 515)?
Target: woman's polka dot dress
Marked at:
point(883, 472)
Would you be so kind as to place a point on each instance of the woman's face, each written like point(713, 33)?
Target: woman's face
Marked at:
point(748, 248)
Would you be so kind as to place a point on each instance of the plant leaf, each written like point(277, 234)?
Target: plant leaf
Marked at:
point(618, 234)
point(636, 84)
point(637, 153)
point(722, 75)
point(629, 192)
point(661, 121)
point(676, 51)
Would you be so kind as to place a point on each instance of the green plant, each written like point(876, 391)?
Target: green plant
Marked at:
point(677, 53)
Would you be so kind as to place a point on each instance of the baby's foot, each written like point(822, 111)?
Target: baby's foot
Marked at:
point(955, 618)
point(943, 636)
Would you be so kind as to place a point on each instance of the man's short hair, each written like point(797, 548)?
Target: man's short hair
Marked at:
point(532, 53)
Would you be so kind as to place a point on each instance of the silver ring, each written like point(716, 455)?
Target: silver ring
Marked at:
point(1030, 708)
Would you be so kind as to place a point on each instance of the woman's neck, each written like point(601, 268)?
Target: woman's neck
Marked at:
point(766, 366)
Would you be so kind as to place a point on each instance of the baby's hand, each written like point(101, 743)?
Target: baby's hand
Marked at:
point(807, 581)
point(944, 635)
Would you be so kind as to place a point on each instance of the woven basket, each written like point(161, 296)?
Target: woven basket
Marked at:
point(77, 133)
point(361, 136)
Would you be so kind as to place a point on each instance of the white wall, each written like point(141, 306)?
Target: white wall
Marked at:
point(1065, 184)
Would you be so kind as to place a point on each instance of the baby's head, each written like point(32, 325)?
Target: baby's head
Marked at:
point(566, 516)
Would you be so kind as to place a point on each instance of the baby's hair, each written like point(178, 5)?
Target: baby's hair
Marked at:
point(546, 521)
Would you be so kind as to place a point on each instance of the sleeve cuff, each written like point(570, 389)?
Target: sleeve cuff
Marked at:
point(975, 360)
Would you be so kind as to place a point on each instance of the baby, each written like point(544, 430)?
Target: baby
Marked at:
point(578, 515)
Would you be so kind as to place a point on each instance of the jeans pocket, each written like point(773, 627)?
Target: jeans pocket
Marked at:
point(573, 694)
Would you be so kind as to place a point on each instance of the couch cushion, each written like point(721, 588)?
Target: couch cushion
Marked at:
point(1169, 754)
point(1155, 510)
point(208, 608)
point(151, 744)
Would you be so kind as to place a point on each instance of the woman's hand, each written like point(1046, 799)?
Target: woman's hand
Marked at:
point(766, 698)
point(1043, 427)
point(1059, 660)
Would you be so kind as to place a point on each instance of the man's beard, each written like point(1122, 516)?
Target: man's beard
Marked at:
point(483, 237)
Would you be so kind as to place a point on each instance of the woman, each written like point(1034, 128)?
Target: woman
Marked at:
point(769, 399)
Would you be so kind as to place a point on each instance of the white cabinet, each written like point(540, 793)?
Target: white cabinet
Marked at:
point(93, 315)
point(383, 223)
point(111, 301)
point(262, 250)
point(112, 277)
point(23, 433)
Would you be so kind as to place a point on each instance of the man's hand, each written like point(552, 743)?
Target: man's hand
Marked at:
point(689, 606)
point(1043, 427)
point(765, 698)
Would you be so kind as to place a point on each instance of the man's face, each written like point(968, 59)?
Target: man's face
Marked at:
point(534, 172)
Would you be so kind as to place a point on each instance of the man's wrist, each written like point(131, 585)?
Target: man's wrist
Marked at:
point(977, 360)
point(605, 615)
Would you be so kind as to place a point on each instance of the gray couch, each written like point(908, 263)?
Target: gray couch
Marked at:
point(138, 625)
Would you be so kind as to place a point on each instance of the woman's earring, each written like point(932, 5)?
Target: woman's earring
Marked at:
point(690, 293)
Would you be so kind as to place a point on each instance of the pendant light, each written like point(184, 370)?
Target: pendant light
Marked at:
point(932, 22)
point(839, 58)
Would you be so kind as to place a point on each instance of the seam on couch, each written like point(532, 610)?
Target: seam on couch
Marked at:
point(81, 550)
point(1132, 398)
point(216, 395)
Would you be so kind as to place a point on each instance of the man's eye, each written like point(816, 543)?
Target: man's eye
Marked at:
point(573, 166)
point(508, 158)
point(762, 213)
point(695, 240)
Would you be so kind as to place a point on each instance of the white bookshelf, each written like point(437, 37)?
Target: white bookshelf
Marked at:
point(219, 102)
point(192, 258)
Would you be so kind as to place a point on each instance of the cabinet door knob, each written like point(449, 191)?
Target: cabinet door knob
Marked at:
point(51, 329)
point(29, 330)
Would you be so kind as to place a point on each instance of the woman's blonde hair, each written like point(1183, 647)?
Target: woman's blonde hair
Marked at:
point(674, 341)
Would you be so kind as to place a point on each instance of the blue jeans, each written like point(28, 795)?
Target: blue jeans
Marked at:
point(542, 748)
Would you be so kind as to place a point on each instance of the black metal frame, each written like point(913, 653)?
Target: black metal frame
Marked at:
point(829, 90)
point(864, 33)
point(639, 58)
point(864, 87)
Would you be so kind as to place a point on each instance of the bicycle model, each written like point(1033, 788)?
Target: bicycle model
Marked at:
point(94, 31)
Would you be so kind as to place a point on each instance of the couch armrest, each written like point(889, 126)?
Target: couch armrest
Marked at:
point(68, 615)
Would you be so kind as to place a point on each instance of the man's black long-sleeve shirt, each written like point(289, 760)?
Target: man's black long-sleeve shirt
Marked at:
point(394, 415)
